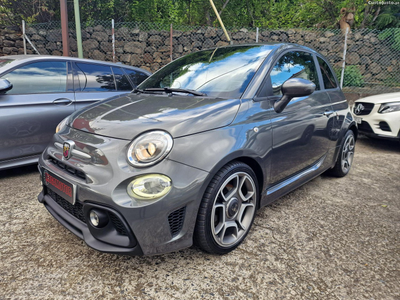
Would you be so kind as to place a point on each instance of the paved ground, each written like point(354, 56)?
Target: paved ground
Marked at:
point(331, 239)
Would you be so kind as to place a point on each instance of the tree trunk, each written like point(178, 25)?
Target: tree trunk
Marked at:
point(223, 7)
point(208, 17)
point(250, 14)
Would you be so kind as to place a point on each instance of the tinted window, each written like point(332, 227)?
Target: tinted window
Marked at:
point(327, 76)
point(136, 76)
point(293, 65)
point(40, 77)
point(95, 78)
point(121, 80)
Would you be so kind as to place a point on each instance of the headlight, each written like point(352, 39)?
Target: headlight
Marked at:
point(389, 107)
point(62, 124)
point(149, 187)
point(149, 148)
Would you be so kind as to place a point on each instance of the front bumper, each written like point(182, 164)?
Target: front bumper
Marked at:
point(160, 227)
point(374, 124)
point(83, 230)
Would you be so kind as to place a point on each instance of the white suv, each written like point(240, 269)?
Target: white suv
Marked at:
point(378, 116)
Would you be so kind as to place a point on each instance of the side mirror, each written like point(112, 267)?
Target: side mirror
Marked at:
point(5, 85)
point(291, 88)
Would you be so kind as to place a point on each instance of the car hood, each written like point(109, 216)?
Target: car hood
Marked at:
point(127, 116)
point(379, 99)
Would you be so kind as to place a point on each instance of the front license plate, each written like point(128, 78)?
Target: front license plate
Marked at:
point(59, 186)
point(358, 120)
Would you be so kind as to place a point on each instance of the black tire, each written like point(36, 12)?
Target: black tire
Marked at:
point(345, 157)
point(226, 214)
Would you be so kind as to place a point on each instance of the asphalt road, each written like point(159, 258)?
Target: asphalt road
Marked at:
point(330, 239)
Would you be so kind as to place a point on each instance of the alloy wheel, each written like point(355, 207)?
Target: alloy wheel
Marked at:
point(233, 209)
point(348, 153)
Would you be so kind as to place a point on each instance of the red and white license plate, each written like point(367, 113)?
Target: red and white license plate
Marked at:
point(60, 186)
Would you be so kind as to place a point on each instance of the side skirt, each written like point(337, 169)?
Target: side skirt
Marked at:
point(284, 187)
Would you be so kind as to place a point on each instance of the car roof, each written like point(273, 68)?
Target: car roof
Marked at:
point(18, 59)
point(276, 45)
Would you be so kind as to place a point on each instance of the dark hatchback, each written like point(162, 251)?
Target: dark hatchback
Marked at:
point(196, 149)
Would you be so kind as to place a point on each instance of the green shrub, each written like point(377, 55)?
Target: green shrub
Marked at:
point(392, 37)
point(352, 76)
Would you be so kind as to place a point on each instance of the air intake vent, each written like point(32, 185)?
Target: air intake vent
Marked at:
point(74, 210)
point(384, 126)
point(70, 169)
point(175, 220)
point(118, 225)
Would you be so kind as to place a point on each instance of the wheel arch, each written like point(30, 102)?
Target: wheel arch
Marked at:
point(354, 128)
point(251, 161)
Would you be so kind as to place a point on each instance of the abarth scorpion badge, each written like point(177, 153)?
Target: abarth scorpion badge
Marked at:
point(67, 149)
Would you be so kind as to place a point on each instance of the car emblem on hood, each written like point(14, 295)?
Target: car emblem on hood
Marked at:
point(359, 108)
point(67, 149)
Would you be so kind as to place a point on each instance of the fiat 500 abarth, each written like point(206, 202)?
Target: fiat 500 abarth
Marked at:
point(192, 153)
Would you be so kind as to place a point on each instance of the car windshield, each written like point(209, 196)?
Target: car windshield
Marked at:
point(4, 62)
point(221, 72)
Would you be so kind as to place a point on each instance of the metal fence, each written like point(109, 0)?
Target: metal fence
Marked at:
point(372, 57)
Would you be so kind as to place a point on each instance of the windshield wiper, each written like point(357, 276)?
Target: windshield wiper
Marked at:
point(145, 91)
point(174, 90)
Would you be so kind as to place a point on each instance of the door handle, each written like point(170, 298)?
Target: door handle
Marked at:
point(328, 112)
point(62, 101)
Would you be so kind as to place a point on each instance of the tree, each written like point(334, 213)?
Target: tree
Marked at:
point(273, 14)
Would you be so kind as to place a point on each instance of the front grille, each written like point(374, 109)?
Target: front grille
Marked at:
point(384, 126)
point(362, 108)
point(74, 210)
point(69, 169)
point(175, 220)
point(364, 127)
point(119, 227)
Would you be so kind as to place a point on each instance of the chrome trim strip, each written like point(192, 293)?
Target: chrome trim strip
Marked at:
point(290, 180)
point(75, 152)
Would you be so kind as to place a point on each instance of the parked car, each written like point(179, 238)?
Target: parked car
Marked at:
point(196, 149)
point(37, 92)
point(379, 116)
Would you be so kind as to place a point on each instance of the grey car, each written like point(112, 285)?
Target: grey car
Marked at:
point(192, 153)
point(37, 92)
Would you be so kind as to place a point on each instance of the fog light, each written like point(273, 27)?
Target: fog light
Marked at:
point(149, 187)
point(98, 219)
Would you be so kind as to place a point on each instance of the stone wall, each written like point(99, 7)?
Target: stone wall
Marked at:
point(11, 40)
point(374, 60)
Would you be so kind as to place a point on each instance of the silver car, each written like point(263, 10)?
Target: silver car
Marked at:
point(38, 91)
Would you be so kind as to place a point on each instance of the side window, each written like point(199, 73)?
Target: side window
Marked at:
point(95, 78)
point(121, 80)
point(136, 77)
point(294, 64)
point(327, 76)
point(37, 78)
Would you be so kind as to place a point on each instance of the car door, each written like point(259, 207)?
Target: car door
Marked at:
point(338, 101)
point(95, 82)
point(299, 132)
point(41, 97)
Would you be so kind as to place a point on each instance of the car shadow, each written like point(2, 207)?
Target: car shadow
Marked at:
point(379, 144)
point(14, 172)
